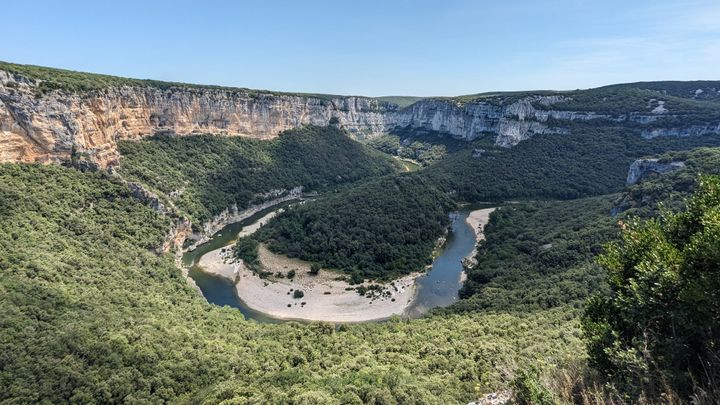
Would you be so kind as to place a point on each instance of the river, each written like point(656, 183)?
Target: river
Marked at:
point(437, 288)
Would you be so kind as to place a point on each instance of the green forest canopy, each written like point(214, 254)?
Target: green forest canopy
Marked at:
point(203, 175)
point(90, 313)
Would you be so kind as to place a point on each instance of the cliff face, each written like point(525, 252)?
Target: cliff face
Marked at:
point(510, 123)
point(50, 127)
point(643, 167)
point(47, 128)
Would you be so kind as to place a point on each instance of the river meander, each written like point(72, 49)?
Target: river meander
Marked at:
point(438, 287)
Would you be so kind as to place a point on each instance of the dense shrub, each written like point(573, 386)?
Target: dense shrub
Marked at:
point(661, 322)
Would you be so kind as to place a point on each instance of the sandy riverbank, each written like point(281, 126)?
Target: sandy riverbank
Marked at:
point(340, 305)
point(477, 220)
point(220, 262)
point(325, 297)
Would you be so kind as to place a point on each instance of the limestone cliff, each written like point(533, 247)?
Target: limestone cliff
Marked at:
point(642, 167)
point(50, 126)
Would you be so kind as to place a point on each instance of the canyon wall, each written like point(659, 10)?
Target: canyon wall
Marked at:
point(50, 126)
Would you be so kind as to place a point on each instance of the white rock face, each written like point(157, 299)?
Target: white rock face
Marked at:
point(692, 130)
point(660, 109)
point(510, 124)
point(50, 127)
point(47, 128)
point(642, 167)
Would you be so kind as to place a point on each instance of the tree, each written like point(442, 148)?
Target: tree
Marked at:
point(314, 269)
point(661, 322)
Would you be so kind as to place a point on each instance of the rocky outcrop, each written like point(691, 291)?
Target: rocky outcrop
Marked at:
point(147, 197)
point(510, 123)
point(692, 130)
point(50, 127)
point(88, 125)
point(642, 167)
point(179, 232)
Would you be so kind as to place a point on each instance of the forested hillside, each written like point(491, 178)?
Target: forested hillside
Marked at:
point(90, 314)
point(543, 254)
point(670, 189)
point(203, 175)
point(540, 255)
point(590, 161)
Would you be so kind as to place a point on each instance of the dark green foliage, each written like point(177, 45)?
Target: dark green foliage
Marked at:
point(619, 100)
point(590, 161)
point(380, 229)
point(669, 189)
point(684, 89)
point(91, 314)
point(400, 101)
point(203, 175)
point(297, 294)
point(246, 249)
point(680, 98)
point(660, 324)
point(422, 152)
point(527, 389)
point(314, 269)
point(539, 255)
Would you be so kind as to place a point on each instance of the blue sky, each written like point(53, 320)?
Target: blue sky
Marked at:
point(391, 47)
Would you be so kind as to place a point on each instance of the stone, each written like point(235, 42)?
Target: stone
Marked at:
point(642, 167)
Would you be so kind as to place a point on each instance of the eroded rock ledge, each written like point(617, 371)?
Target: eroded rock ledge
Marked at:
point(642, 167)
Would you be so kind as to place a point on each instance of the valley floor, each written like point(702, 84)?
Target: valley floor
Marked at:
point(326, 296)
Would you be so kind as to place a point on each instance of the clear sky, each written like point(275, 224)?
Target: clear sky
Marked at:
point(390, 47)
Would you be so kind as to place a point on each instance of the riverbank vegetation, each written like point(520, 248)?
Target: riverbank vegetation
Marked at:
point(540, 255)
point(380, 229)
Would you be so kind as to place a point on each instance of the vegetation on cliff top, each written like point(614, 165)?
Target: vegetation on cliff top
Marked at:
point(62, 79)
point(679, 98)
